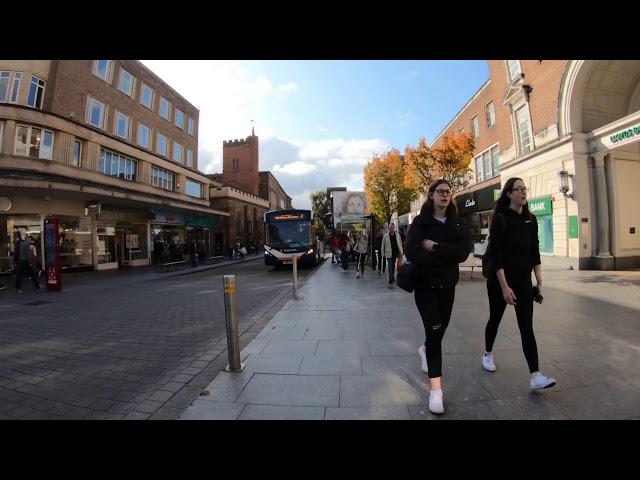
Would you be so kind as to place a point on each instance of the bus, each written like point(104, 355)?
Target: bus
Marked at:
point(287, 233)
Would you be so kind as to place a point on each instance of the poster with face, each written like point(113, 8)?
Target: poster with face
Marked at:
point(348, 205)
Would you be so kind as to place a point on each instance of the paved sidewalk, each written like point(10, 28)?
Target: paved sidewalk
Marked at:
point(347, 350)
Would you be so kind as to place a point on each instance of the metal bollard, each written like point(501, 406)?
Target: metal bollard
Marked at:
point(295, 278)
point(231, 319)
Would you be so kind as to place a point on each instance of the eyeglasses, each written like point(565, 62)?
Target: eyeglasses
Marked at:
point(444, 193)
point(520, 189)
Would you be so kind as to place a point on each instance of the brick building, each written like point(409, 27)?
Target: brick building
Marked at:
point(111, 150)
point(245, 192)
point(570, 130)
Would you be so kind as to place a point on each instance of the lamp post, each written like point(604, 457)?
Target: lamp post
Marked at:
point(564, 183)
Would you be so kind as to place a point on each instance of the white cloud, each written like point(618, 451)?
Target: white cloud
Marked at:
point(322, 129)
point(294, 168)
point(288, 87)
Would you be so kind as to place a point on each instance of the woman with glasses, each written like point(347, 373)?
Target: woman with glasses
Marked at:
point(515, 250)
point(437, 242)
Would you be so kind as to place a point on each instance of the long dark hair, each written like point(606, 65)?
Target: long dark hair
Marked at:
point(427, 207)
point(503, 203)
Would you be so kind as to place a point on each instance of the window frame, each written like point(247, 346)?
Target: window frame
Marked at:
point(38, 85)
point(144, 86)
point(149, 142)
point(175, 118)
point(190, 126)
point(40, 145)
point(189, 158)
point(166, 144)
point(108, 71)
point(486, 113)
point(513, 77)
point(103, 112)
point(13, 86)
point(132, 84)
point(526, 112)
point(164, 179)
point(479, 171)
point(173, 152)
point(130, 166)
point(168, 117)
point(474, 122)
point(76, 142)
point(116, 125)
point(186, 189)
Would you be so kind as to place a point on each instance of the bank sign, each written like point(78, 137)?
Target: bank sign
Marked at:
point(541, 206)
point(624, 134)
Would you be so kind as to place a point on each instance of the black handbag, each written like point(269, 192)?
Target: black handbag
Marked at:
point(407, 276)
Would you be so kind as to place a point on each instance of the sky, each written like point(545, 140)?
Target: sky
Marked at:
point(320, 121)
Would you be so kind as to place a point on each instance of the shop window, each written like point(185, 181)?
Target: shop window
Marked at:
point(75, 242)
point(106, 236)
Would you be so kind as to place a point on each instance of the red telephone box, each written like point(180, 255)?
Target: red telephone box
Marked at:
point(52, 253)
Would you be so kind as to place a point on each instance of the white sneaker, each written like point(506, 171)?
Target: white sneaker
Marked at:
point(539, 381)
point(435, 402)
point(422, 351)
point(488, 363)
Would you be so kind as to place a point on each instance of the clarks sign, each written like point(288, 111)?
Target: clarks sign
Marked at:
point(623, 135)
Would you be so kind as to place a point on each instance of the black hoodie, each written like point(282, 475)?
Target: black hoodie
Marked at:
point(438, 269)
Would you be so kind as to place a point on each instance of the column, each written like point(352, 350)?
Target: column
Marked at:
point(602, 206)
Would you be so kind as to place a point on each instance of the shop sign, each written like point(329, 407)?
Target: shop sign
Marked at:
point(470, 202)
point(573, 226)
point(92, 209)
point(201, 221)
point(496, 194)
point(541, 206)
point(624, 134)
point(169, 217)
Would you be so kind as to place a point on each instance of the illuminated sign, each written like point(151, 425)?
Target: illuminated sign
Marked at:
point(289, 216)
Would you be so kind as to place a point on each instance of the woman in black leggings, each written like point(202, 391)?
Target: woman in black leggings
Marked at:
point(515, 251)
point(436, 242)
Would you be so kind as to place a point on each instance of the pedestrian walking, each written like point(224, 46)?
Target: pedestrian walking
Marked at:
point(378, 263)
point(361, 255)
point(515, 251)
point(23, 258)
point(437, 242)
point(391, 252)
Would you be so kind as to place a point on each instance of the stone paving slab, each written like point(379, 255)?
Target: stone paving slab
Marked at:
point(349, 350)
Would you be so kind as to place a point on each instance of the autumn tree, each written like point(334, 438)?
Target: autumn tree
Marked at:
point(449, 159)
point(384, 184)
point(452, 158)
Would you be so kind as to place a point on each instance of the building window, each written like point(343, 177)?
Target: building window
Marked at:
point(126, 82)
point(189, 158)
point(34, 142)
point(164, 108)
point(513, 67)
point(122, 125)
point(486, 160)
point(194, 189)
point(478, 168)
point(179, 118)
point(475, 129)
point(146, 96)
point(236, 164)
point(524, 129)
point(76, 155)
point(36, 92)
point(495, 160)
point(177, 152)
point(490, 113)
point(144, 135)
point(102, 69)
point(96, 112)
point(9, 86)
point(162, 179)
point(190, 126)
point(1, 131)
point(161, 145)
point(117, 165)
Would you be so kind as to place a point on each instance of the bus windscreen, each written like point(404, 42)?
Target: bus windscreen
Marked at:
point(294, 234)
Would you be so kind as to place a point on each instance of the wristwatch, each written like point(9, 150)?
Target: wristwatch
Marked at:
point(435, 247)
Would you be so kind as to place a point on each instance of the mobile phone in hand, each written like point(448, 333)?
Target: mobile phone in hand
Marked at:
point(536, 295)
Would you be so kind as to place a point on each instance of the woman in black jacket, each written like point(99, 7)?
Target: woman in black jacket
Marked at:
point(515, 251)
point(437, 242)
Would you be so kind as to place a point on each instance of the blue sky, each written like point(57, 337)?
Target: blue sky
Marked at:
point(320, 121)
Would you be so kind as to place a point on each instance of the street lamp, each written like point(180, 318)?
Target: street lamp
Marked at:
point(564, 183)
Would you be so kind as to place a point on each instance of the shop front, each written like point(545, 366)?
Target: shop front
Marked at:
point(476, 208)
point(542, 208)
point(168, 237)
point(199, 235)
point(122, 237)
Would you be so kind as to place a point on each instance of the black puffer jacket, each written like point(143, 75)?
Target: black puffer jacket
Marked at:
point(438, 269)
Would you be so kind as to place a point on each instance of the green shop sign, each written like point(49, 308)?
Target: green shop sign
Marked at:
point(541, 206)
point(624, 134)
